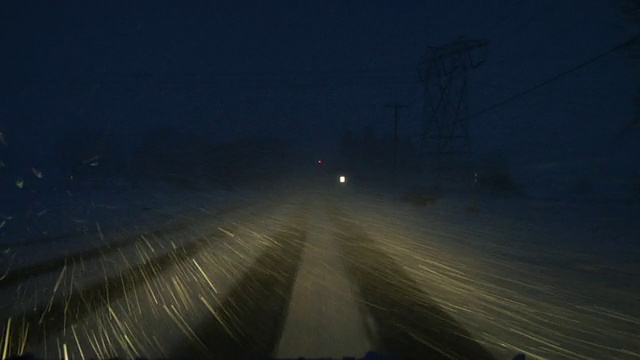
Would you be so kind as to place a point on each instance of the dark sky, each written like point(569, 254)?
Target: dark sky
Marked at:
point(308, 70)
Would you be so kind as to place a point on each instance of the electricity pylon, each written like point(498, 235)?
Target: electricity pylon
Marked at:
point(445, 73)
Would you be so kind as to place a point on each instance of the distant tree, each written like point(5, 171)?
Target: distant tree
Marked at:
point(635, 188)
point(579, 187)
point(166, 153)
point(368, 136)
point(495, 176)
point(631, 10)
point(409, 155)
point(87, 153)
point(368, 144)
point(348, 144)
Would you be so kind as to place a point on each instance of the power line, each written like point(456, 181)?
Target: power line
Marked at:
point(556, 77)
point(208, 75)
point(508, 35)
point(209, 81)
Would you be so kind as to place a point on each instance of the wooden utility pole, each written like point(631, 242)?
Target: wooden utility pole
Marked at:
point(396, 109)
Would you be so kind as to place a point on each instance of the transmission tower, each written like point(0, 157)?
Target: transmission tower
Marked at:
point(445, 73)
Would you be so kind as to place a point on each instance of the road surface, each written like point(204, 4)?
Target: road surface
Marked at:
point(319, 273)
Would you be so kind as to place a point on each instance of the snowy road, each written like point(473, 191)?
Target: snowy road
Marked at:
point(329, 274)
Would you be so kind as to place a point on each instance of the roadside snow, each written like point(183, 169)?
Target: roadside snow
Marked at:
point(72, 222)
point(111, 226)
point(552, 279)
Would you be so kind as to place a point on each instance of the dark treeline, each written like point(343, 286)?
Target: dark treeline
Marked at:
point(93, 156)
point(366, 155)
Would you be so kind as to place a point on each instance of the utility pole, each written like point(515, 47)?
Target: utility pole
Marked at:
point(396, 109)
point(445, 72)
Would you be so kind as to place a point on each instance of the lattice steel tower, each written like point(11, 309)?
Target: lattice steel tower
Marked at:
point(445, 73)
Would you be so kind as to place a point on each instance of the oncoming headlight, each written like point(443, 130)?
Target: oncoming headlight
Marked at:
point(342, 179)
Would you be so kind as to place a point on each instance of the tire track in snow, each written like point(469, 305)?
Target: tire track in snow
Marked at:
point(249, 321)
point(75, 304)
point(407, 322)
point(22, 274)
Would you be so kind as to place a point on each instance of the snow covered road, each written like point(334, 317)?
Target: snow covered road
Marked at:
point(326, 274)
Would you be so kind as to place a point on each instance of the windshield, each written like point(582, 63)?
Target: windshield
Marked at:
point(285, 179)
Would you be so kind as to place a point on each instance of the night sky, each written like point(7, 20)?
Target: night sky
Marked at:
point(309, 70)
